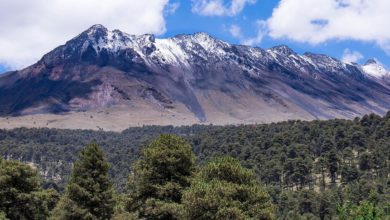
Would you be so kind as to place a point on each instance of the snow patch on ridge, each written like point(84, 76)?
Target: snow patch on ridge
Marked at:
point(180, 51)
point(171, 52)
point(375, 69)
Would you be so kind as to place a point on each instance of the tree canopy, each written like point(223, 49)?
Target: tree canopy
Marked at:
point(223, 189)
point(89, 193)
point(308, 168)
point(159, 178)
point(21, 195)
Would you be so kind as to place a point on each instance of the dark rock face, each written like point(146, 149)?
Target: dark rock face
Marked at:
point(101, 68)
point(53, 96)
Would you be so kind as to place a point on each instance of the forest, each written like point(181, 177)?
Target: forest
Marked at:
point(333, 169)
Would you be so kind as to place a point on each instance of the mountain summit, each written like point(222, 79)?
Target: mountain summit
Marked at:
point(375, 69)
point(191, 78)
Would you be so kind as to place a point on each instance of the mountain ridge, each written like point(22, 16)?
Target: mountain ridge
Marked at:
point(196, 76)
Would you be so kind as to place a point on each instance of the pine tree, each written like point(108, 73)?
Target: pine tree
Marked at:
point(333, 163)
point(89, 193)
point(159, 178)
point(21, 195)
point(223, 189)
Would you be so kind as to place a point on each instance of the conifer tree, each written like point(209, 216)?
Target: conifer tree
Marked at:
point(223, 189)
point(89, 193)
point(159, 178)
point(21, 195)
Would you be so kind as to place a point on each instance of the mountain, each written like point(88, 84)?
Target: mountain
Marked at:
point(375, 69)
point(189, 79)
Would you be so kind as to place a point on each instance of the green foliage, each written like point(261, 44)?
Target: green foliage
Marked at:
point(89, 194)
point(124, 216)
point(337, 160)
point(159, 178)
point(223, 189)
point(2, 216)
point(364, 211)
point(21, 195)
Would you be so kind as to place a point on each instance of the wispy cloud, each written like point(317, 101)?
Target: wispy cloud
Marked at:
point(219, 7)
point(235, 31)
point(261, 28)
point(171, 8)
point(350, 56)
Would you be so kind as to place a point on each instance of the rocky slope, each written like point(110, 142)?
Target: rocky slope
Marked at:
point(190, 79)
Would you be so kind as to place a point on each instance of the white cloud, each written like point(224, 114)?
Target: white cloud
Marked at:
point(350, 56)
point(322, 20)
point(219, 7)
point(31, 28)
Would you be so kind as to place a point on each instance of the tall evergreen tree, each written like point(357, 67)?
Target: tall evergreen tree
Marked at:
point(223, 189)
point(159, 178)
point(89, 193)
point(333, 164)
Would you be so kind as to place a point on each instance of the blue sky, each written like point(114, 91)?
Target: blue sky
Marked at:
point(186, 21)
point(2, 69)
point(344, 29)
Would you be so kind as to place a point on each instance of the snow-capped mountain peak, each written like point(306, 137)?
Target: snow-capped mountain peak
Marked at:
point(181, 49)
point(283, 50)
point(97, 27)
point(375, 69)
point(195, 75)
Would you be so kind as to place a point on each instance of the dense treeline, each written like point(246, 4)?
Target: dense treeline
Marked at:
point(310, 169)
point(164, 184)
